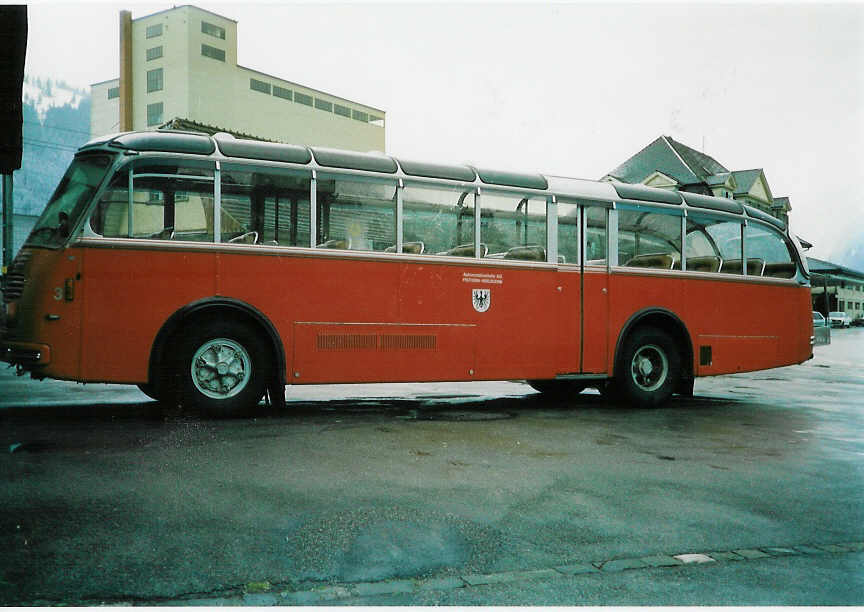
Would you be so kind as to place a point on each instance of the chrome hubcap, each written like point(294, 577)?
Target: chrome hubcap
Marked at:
point(649, 367)
point(221, 368)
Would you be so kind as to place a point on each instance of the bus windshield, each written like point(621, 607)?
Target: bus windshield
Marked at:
point(69, 201)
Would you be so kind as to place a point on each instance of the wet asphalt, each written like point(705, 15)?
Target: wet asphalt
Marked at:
point(109, 497)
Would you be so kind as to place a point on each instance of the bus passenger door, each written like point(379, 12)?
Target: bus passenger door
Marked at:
point(595, 291)
point(595, 320)
point(568, 333)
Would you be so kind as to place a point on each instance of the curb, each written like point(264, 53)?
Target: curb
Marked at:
point(331, 593)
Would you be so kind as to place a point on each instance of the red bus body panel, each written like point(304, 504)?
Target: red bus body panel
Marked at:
point(382, 318)
point(749, 324)
point(43, 319)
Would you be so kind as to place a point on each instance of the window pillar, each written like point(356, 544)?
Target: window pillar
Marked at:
point(552, 229)
point(313, 210)
point(477, 252)
point(217, 203)
point(399, 220)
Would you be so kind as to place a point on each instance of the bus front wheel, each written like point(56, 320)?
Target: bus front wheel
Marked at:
point(649, 368)
point(222, 368)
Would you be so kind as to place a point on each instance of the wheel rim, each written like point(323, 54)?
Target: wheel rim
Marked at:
point(649, 367)
point(221, 368)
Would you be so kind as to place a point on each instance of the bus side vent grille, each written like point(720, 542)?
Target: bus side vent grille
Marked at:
point(15, 279)
point(705, 355)
point(372, 342)
point(393, 342)
point(347, 342)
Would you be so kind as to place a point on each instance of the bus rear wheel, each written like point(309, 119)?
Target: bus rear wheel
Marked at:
point(222, 368)
point(649, 368)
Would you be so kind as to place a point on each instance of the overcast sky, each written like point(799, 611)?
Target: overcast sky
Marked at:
point(570, 89)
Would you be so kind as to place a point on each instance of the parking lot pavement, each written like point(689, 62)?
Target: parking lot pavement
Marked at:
point(477, 493)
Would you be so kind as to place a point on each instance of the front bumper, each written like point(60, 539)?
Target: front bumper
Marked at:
point(25, 354)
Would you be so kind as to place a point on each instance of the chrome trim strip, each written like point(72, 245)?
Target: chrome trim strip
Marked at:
point(386, 324)
point(286, 251)
point(719, 276)
point(188, 177)
point(604, 270)
point(581, 376)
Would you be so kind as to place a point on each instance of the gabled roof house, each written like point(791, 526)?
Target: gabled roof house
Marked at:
point(668, 164)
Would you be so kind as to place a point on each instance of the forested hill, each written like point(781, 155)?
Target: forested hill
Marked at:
point(56, 123)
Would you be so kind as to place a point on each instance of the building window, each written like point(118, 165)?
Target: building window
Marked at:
point(360, 116)
point(323, 105)
point(113, 92)
point(154, 30)
point(154, 80)
point(154, 114)
point(281, 92)
point(302, 98)
point(342, 110)
point(154, 53)
point(379, 121)
point(256, 85)
point(213, 30)
point(213, 52)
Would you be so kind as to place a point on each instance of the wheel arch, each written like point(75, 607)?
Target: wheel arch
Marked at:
point(213, 307)
point(672, 324)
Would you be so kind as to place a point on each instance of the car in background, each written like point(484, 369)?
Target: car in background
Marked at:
point(839, 319)
point(859, 322)
point(819, 319)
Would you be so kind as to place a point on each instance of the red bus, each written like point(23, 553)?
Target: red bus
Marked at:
point(211, 271)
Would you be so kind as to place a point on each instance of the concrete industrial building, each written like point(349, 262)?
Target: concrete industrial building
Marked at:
point(180, 65)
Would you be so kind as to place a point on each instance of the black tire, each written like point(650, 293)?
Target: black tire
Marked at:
point(649, 368)
point(557, 389)
point(222, 368)
point(148, 390)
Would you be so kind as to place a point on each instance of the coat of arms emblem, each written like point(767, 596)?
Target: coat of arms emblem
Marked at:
point(481, 299)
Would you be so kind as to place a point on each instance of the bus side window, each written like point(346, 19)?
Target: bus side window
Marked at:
point(595, 236)
point(713, 245)
point(769, 247)
point(163, 207)
point(513, 226)
point(648, 239)
point(356, 215)
point(568, 233)
point(439, 217)
point(109, 217)
point(265, 205)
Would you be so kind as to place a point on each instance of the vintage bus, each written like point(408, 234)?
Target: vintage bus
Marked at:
point(211, 271)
